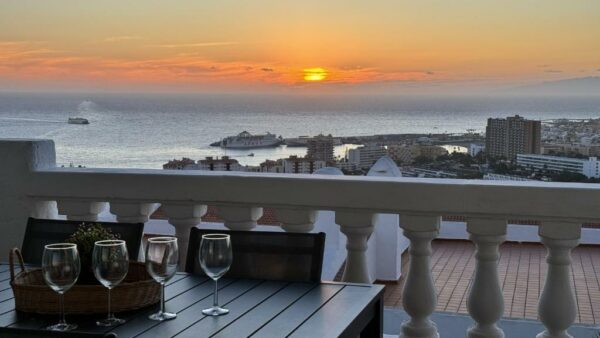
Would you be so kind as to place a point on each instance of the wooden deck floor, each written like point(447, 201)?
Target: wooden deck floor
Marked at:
point(522, 271)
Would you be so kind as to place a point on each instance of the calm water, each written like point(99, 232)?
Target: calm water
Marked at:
point(145, 131)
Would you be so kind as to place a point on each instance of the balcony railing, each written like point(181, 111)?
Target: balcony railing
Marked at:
point(33, 185)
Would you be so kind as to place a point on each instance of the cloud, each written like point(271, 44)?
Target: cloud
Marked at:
point(429, 72)
point(122, 38)
point(543, 66)
point(553, 71)
point(598, 70)
point(36, 64)
point(195, 45)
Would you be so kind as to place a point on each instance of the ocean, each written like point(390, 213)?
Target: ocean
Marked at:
point(147, 130)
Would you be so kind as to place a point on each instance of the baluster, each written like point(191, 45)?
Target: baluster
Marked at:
point(557, 308)
point(418, 296)
point(183, 217)
point(485, 302)
point(80, 210)
point(131, 212)
point(357, 227)
point(240, 218)
point(296, 220)
point(42, 209)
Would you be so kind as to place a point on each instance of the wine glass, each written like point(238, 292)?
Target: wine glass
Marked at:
point(162, 257)
point(110, 262)
point(60, 268)
point(215, 259)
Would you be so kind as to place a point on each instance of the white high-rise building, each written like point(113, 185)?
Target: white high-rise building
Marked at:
point(365, 156)
point(589, 167)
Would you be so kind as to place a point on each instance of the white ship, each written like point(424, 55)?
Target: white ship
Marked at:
point(245, 140)
point(78, 120)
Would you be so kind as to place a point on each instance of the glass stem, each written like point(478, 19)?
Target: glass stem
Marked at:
point(162, 297)
point(61, 305)
point(109, 312)
point(215, 296)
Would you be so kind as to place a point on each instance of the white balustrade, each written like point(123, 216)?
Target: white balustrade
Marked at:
point(419, 296)
point(357, 227)
point(183, 217)
point(296, 220)
point(485, 302)
point(557, 308)
point(33, 183)
point(43, 209)
point(240, 218)
point(133, 212)
point(80, 210)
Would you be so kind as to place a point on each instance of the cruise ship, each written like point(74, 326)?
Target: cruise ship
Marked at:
point(245, 140)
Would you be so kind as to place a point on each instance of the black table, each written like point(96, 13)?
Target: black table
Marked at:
point(257, 308)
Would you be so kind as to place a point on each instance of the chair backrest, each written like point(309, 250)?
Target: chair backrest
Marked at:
point(11, 332)
point(266, 255)
point(41, 232)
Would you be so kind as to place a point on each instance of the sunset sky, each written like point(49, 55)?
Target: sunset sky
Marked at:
point(278, 45)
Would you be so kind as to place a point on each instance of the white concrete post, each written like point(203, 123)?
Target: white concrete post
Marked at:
point(357, 227)
point(557, 308)
point(20, 157)
point(183, 217)
point(485, 302)
point(239, 218)
point(388, 247)
point(131, 212)
point(296, 220)
point(418, 296)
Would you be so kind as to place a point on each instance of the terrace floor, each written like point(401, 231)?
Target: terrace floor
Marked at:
point(522, 271)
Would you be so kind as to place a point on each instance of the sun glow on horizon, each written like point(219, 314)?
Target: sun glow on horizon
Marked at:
point(382, 46)
point(315, 74)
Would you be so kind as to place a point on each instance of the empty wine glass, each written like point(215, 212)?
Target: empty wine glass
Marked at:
point(110, 261)
point(60, 268)
point(162, 257)
point(215, 259)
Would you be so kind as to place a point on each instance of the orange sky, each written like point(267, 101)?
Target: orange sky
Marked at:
point(231, 45)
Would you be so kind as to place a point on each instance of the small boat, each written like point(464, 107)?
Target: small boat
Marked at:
point(78, 120)
point(251, 154)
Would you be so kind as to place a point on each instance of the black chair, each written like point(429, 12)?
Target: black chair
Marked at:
point(41, 232)
point(11, 332)
point(266, 255)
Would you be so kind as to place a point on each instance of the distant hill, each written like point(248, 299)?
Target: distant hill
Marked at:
point(577, 86)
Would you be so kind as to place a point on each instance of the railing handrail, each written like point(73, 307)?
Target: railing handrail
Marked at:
point(572, 202)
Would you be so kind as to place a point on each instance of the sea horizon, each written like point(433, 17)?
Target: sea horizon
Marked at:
point(147, 130)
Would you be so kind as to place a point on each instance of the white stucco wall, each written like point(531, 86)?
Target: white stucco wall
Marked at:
point(17, 160)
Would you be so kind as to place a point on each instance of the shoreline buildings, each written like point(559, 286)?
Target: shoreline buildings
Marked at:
point(320, 148)
point(225, 163)
point(511, 136)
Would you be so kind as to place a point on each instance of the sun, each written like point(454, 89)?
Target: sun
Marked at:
point(315, 74)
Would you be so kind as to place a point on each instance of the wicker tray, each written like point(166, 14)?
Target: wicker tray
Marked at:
point(32, 295)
